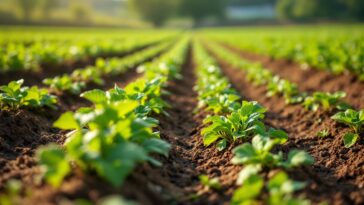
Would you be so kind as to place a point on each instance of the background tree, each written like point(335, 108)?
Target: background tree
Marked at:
point(47, 6)
point(200, 9)
point(27, 7)
point(155, 11)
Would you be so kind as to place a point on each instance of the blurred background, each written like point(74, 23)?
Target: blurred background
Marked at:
point(177, 13)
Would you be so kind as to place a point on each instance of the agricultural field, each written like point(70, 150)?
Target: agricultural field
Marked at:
point(241, 116)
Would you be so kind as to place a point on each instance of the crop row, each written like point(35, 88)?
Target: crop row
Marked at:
point(19, 56)
point(14, 96)
point(277, 86)
point(115, 134)
point(337, 54)
point(232, 121)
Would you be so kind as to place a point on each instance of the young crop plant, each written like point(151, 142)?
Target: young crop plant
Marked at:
point(13, 96)
point(88, 74)
point(108, 139)
point(258, 152)
point(326, 100)
point(116, 134)
point(244, 122)
point(355, 120)
point(279, 188)
point(289, 90)
point(64, 83)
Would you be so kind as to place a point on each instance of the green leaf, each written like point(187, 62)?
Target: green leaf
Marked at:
point(211, 183)
point(249, 191)
point(157, 146)
point(247, 172)
point(96, 96)
point(67, 121)
point(298, 158)
point(221, 145)
point(53, 160)
point(350, 139)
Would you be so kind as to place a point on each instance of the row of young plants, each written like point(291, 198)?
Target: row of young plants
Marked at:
point(19, 56)
point(277, 86)
point(232, 122)
point(337, 54)
point(14, 96)
point(117, 133)
point(77, 81)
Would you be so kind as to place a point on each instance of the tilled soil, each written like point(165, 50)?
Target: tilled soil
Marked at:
point(189, 158)
point(338, 173)
point(310, 79)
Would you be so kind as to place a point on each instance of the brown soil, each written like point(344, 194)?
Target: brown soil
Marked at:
point(311, 79)
point(189, 158)
point(338, 173)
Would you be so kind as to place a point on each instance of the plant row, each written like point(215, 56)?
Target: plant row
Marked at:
point(241, 124)
point(318, 49)
point(117, 133)
point(277, 86)
point(19, 56)
point(14, 96)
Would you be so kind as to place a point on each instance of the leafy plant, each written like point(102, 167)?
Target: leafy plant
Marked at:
point(286, 88)
point(323, 133)
point(243, 122)
point(326, 100)
point(14, 96)
point(210, 183)
point(259, 152)
point(64, 83)
point(355, 120)
point(280, 190)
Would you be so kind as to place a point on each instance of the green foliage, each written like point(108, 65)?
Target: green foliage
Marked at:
point(326, 100)
point(245, 121)
point(14, 96)
point(114, 135)
point(259, 152)
point(286, 88)
point(352, 118)
point(355, 120)
point(155, 11)
point(323, 133)
point(210, 183)
point(64, 83)
point(280, 190)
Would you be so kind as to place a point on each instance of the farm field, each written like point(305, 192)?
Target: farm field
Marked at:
point(245, 115)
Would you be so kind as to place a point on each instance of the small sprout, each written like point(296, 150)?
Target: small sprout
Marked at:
point(210, 183)
point(323, 133)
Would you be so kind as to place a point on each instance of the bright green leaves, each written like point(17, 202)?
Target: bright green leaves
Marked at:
point(297, 158)
point(14, 96)
point(117, 161)
point(289, 90)
point(116, 134)
point(355, 120)
point(64, 83)
point(326, 100)
point(56, 166)
point(245, 121)
point(247, 194)
point(95, 96)
point(210, 183)
point(350, 139)
point(280, 190)
point(259, 152)
point(67, 121)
